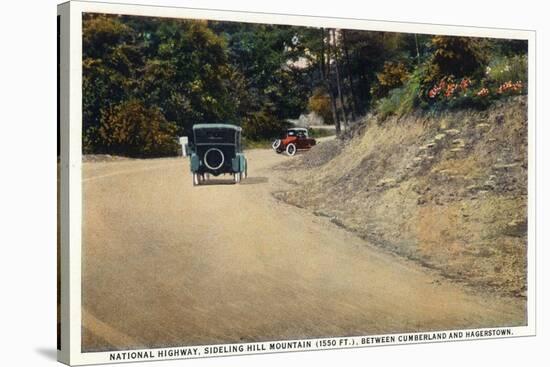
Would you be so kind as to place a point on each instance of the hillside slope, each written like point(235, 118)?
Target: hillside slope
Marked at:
point(447, 190)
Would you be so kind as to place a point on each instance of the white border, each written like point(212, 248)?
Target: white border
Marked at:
point(71, 159)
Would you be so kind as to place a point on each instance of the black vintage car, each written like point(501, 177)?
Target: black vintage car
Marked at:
point(216, 149)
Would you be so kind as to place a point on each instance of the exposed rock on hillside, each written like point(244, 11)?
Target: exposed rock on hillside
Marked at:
point(447, 190)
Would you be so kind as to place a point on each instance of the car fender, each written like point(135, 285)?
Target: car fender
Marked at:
point(238, 164)
point(195, 162)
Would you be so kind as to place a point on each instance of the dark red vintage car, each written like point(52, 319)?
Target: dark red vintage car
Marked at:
point(295, 139)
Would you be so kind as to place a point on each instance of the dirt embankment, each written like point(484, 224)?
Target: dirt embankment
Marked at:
point(447, 190)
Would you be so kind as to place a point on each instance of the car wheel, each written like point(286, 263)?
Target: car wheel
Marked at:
point(276, 144)
point(237, 177)
point(291, 149)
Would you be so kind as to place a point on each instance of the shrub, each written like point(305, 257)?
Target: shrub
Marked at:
point(393, 75)
point(456, 56)
point(132, 129)
point(90, 141)
point(319, 103)
point(411, 94)
point(389, 105)
point(508, 69)
point(401, 100)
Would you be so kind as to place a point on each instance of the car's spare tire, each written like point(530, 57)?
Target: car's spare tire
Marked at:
point(214, 158)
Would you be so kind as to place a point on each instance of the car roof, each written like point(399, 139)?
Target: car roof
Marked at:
point(297, 128)
point(217, 126)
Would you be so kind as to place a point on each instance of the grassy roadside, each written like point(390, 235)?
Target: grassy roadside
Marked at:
point(321, 133)
point(448, 191)
point(257, 144)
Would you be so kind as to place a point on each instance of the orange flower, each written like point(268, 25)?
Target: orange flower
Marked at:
point(482, 92)
point(509, 86)
point(465, 83)
point(434, 92)
point(450, 90)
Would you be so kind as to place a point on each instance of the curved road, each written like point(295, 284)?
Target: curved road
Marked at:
point(166, 264)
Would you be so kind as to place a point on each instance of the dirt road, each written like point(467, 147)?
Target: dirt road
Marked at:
point(166, 263)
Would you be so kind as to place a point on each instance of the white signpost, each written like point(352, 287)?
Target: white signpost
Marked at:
point(183, 141)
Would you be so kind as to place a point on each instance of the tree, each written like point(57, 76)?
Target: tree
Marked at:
point(456, 56)
point(319, 103)
point(110, 60)
point(324, 65)
point(187, 76)
point(266, 57)
point(180, 66)
point(393, 75)
point(254, 75)
point(345, 48)
point(336, 55)
point(365, 53)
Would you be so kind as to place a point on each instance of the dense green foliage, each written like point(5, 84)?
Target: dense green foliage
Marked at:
point(132, 129)
point(457, 56)
point(148, 80)
point(460, 72)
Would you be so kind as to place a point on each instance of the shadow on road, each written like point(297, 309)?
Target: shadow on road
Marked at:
point(254, 180)
point(247, 181)
point(217, 181)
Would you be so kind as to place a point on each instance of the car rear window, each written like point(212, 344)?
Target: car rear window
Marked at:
point(215, 136)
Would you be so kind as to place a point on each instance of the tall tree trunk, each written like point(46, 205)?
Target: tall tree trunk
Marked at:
point(417, 50)
point(338, 84)
point(325, 75)
point(350, 77)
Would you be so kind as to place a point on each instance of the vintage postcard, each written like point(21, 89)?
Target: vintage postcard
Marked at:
point(237, 183)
